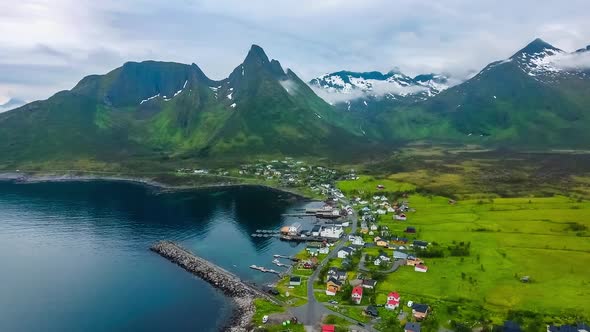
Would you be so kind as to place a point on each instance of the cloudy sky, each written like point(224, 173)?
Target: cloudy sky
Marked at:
point(48, 46)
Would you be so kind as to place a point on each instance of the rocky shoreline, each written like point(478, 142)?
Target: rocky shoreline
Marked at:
point(242, 294)
point(36, 178)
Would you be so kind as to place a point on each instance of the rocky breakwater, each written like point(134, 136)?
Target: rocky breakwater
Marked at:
point(242, 294)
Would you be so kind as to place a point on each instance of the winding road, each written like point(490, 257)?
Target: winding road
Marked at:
point(311, 313)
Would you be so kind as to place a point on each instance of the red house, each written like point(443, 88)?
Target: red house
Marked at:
point(392, 301)
point(357, 294)
point(420, 268)
point(328, 328)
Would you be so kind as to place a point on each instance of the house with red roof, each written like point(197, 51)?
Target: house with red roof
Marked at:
point(420, 268)
point(392, 301)
point(357, 294)
point(328, 328)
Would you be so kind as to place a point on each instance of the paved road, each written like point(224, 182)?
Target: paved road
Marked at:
point(311, 313)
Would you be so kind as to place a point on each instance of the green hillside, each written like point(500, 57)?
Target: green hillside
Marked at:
point(158, 110)
point(503, 105)
point(169, 111)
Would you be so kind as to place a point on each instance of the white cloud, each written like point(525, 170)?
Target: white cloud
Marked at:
point(572, 61)
point(290, 86)
point(74, 38)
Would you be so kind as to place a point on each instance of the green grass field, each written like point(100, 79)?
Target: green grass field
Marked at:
point(366, 185)
point(544, 238)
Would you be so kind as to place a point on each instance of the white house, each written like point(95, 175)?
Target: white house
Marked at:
point(295, 228)
point(358, 241)
point(295, 281)
point(315, 231)
point(373, 227)
point(324, 250)
point(420, 268)
point(377, 262)
point(384, 258)
point(333, 232)
point(344, 252)
point(381, 212)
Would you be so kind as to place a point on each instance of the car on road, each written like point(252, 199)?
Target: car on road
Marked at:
point(360, 324)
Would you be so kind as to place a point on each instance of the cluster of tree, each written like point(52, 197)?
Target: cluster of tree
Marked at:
point(460, 249)
point(430, 252)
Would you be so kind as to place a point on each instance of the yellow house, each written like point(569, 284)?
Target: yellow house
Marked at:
point(333, 286)
point(380, 242)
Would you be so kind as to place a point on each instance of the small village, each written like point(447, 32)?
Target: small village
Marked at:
point(348, 254)
point(347, 248)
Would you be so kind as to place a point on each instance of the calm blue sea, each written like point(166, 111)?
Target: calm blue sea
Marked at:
point(74, 255)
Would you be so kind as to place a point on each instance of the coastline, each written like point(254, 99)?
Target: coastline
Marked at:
point(240, 319)
point(25, 177)
point(241, 293)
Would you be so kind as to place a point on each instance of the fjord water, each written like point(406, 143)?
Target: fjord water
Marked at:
point(74, 255)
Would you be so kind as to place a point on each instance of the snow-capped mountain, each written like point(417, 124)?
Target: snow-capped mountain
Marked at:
point(547, 63)
point(346, 86)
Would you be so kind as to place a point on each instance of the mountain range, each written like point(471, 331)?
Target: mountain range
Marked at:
point(537, 98)
point(373, 91)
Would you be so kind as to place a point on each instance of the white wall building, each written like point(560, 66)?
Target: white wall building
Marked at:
point(333, 232)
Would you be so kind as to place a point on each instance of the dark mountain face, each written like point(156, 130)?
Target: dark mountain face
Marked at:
point(274, 111)
point(174, 109)
point(536, 98)
point(134, 82)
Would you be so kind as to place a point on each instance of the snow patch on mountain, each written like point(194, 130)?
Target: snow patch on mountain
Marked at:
point(346, 86)
point(550, 62)
point(149, 98)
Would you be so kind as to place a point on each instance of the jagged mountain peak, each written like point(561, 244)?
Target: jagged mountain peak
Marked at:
point(535, 48)
point(256, 55)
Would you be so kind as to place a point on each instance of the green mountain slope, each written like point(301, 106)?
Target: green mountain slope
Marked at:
point(518, 102)
point(274, 111)
point(168, 110)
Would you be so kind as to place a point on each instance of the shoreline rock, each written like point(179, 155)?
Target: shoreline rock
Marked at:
point(39, 178)
point(241, 293)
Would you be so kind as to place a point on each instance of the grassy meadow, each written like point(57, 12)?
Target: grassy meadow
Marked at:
point(545, 238)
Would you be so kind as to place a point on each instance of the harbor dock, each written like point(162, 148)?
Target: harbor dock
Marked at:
point(242, 293)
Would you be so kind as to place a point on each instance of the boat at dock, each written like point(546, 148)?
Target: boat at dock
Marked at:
point(294, 259)
point(263, 269)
